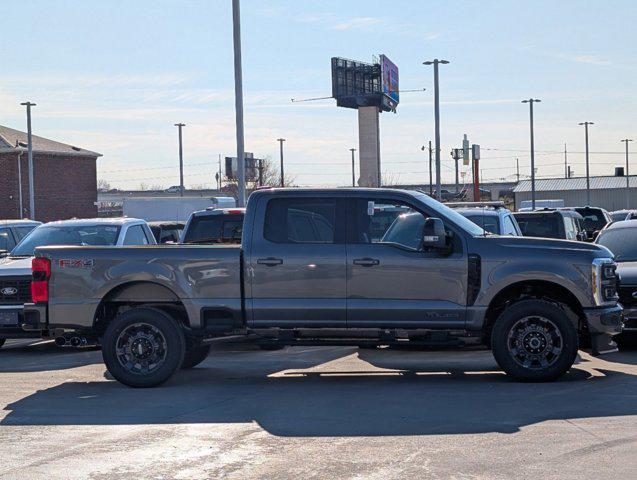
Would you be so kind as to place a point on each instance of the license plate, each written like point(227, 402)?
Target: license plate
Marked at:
point(9, 317)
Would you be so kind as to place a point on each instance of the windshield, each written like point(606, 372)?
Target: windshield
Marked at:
point(593, 219)
point(618, 216)
point(462, 222)
point(539, 226)
point(215, 229)
point(488, 222)
point(621, 241)
point(66, 235)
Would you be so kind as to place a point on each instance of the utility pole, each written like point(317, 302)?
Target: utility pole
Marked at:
point(517, 166)
point(260, 172)
point(431, 175)
point(220, 177)
point(281, 140)
point(565, 162)
point(20, 153)
point(435, 63)
point(181, 160)
point(353, 168)
point(238, 103)
point(626, 140)
point(531, 101)
point(588, 177)
point(30, 155)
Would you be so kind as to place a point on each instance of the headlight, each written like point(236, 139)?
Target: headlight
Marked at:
point(604, 281)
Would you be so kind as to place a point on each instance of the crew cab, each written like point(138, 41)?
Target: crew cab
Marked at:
point(309, 271)
point(15, 269)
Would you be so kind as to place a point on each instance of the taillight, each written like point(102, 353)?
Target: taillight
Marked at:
point(41, 272)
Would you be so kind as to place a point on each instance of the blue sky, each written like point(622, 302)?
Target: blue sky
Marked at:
point(115, 76)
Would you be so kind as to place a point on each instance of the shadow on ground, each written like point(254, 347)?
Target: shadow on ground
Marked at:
point(340, 391)
point(44, 355)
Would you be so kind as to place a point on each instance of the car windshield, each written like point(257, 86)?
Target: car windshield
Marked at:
point(621, 241)
point(462, 222)
point(66, 235)
point(539, 225)
point(618, 216)
point(593, 219)
point(215, 229)
point(488, 222)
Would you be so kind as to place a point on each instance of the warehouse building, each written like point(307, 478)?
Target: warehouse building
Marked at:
point(605, 192)
point(64, 177)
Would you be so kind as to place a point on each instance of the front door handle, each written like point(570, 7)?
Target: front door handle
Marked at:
point(270, 261)
point(366, 262)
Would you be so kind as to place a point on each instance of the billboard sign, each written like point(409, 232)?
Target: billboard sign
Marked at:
point(389, 80)
point(251, 167)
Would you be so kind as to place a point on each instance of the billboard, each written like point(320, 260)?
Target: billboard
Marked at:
point(389, 80)
point(251, 167)
point(358, 84)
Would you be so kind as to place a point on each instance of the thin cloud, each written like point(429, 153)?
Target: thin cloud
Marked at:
point(358, 23)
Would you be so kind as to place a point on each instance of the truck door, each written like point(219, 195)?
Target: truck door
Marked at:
point(296, 264)
point(391, 280)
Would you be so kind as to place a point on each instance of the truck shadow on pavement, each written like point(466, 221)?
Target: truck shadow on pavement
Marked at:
point(44, 355)
point(340, 391)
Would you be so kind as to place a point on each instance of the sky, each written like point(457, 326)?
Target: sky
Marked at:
point(115, 77)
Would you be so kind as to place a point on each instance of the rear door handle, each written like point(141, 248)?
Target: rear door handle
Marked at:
point(270, 261)
point(366, 262)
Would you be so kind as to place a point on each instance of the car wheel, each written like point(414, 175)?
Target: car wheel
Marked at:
point(534, 340)
point(195, 356)
point(143, 347)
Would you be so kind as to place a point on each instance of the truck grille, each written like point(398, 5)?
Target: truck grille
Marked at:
point(15, 290)
point(626, 296)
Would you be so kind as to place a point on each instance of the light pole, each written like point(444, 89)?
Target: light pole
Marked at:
point(435, 63)
point(531, 101)
point(281, 140)
point(353, 168)
point(181, 160)
point(626, 140)
point(238, 102)
point(30, 155)
point(588, 177)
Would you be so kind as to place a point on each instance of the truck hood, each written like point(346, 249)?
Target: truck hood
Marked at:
point(551, 245)
point(14, 266)
point(627, 273)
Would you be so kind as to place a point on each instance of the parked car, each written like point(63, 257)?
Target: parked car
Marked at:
point(12, 231)
point(621, 239)
point(541, 204)
point(494, 217)
point(165, 232)
point(15, 269)
point(619, 215)
point(309, 273)
point(595, 219)
point(548, 223)
point(214, 225)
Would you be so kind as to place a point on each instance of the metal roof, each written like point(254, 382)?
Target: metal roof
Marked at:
point(579, 183)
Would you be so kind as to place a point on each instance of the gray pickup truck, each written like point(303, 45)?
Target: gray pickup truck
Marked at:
point(315, 268)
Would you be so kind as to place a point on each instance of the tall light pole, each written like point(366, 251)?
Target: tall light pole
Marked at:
point(531, 101)
point(238, 102)
point(626, 140)
point(30, 155)
point(181, 160)
point(281, 140)
point(588, 177)
point(435, 63)
point(353, 168)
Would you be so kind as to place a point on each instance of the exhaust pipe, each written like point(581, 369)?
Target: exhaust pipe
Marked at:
point(75, 341)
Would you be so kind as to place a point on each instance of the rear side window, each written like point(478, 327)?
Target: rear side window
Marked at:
point(508, 227)
point(539, 226)
point(6, 240)
point(301, 220)
point(215, 229)
point(21, 232)
point(488, 222)
point(135, 236)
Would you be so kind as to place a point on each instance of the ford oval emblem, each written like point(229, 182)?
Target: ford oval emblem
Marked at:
point(8, 291)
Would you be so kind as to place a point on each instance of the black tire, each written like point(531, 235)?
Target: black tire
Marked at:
point(2, 341)
point(270, 347)
point(155, 335)
point(195, 356)
point(534, 340)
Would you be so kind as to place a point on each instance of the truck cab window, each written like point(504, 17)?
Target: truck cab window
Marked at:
point(135, 236)
point(301, 220)
point(6, 240)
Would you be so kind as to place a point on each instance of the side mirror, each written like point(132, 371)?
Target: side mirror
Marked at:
point(434, 235)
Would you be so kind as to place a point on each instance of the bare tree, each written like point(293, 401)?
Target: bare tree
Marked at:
point(103, 184)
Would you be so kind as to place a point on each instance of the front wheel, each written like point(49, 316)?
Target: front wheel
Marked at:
point(143, 347)
point(534, 340)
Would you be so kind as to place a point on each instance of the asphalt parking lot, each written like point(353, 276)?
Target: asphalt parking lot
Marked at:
point(315, 412)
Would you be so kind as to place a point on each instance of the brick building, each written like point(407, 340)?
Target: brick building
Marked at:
point(64, 178)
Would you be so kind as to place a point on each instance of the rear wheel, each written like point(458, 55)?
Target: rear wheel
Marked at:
point(143, 347)
point(534, 340)
point(195, 356)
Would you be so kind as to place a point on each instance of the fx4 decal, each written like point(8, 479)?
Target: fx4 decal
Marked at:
point(75, 263)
